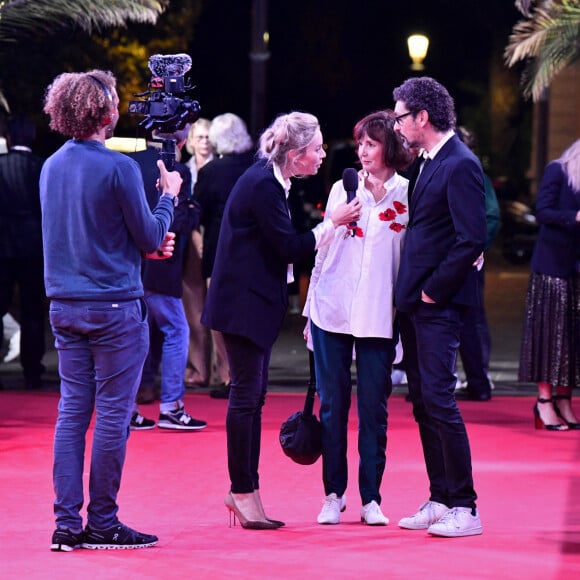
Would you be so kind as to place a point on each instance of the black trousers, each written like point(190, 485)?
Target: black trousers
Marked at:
point(430, 338)
point(248, 385)
point(28, 275)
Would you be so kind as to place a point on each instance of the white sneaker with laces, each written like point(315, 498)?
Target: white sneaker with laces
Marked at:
point(371, 515)
point(330, 512)
point(429, 513)
point(456, 523)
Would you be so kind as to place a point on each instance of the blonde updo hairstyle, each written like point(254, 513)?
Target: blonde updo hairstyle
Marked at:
point(289, 131)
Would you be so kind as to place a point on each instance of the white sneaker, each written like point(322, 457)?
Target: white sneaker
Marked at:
point(330, 512)
point(457, 522)
point(372, 515)
point(13, 347)
point(429, 513)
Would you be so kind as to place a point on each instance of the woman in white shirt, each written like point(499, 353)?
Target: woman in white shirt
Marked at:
point(350, 306)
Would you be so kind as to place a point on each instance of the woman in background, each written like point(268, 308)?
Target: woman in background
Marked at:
point(248, 295)
point(550, 352)
point(198, 369)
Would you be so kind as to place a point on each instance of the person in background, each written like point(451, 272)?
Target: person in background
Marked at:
point(198, 370)
point(437, 281)
point(248, 295)
point(11, 335)
point(234, 150)
point(350, 305)
point(475, 339)
point(162, 281)
point(21, 261)
point(550, 348)
point(96, 224)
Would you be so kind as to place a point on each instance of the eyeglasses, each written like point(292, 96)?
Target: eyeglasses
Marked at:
point(400, 117)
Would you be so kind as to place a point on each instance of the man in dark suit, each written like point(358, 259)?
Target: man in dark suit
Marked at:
point(21, 261)
point(438, 280)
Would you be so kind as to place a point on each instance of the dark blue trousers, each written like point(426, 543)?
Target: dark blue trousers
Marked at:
point(248, 385)
point(430, 341)
point(333, 359)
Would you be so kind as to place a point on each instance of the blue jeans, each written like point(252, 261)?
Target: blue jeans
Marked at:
point(248, 385)
point(167, 314)
point(333, 359)
point(101, 349)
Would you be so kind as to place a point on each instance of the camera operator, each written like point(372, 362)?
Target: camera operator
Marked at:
point(96, 225)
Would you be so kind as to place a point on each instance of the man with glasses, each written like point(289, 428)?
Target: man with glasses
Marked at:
point(437, 282)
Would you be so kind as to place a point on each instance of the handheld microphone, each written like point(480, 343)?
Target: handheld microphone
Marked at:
point(350, 184)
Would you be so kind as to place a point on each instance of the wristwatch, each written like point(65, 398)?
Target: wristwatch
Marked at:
point(173, 198)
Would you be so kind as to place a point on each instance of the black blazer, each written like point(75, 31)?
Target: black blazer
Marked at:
point(557, 248)
point(446, 232)
point(248, 293)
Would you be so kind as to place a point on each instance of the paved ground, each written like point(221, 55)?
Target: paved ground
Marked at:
point(505, 292)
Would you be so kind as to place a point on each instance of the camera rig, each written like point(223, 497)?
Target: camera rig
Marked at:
point(166, 105)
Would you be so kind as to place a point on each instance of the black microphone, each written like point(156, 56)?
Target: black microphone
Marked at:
point(350, 184)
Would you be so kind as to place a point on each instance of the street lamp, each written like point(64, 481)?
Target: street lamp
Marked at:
point(418, 45)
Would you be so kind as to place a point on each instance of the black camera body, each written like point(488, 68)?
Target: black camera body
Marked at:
point(166, 106)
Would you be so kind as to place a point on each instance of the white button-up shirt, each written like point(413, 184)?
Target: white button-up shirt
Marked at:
point(352, 284)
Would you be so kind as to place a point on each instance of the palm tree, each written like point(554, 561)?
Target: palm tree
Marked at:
point(546, 39)
point(23, 19)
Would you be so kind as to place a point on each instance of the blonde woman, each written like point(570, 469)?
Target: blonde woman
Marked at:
point(198, 369)
point(248, 295)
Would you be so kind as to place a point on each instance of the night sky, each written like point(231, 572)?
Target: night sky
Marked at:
point(341, 59)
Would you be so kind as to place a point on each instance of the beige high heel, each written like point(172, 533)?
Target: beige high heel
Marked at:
point(248, 524)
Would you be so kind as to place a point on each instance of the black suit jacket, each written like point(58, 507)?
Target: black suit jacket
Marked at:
point(248, 294)
point(446, 232)
point(20, 216)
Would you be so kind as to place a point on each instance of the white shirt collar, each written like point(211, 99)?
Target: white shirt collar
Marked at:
point(285, 183)
point(431, 154)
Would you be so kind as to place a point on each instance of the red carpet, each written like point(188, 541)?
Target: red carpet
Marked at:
point(174, 484)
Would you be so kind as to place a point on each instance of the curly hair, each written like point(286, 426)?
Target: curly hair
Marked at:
point(77, 103)
point(293, 130)
point(379, 126)
point(426, 94)
point(229, 134)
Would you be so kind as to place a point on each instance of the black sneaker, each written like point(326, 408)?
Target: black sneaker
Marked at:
point(180, 420)
point(140, 423)
point(119, 537)
point(63, 540)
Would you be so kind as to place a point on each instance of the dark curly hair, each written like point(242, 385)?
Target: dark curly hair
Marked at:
point(425, 93)
point(379, 126)
point(77, 103)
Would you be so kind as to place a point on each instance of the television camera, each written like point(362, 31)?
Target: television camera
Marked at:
point(166, 105)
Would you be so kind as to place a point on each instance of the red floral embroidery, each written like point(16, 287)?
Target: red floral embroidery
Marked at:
point(355, 231)
point(399, 207)
point(390, 214)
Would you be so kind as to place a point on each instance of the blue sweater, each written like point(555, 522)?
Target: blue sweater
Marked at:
point(96, 222)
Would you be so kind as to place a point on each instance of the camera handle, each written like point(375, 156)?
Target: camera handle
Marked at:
point(167, 154)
